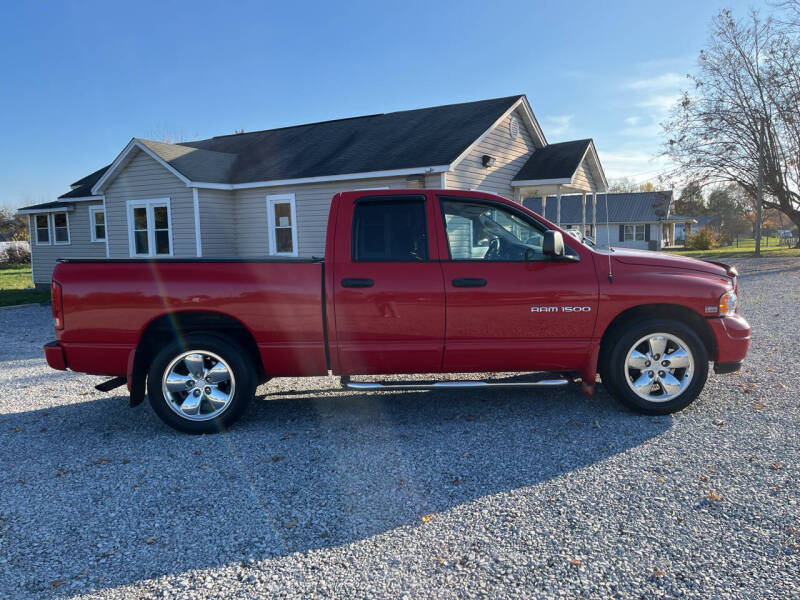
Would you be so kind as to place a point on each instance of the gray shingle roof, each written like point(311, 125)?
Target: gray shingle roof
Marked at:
point(636, 207)
point(83, 187)
point(383, 142)
point(195, 163)
point(555, 161)
point(56, 204)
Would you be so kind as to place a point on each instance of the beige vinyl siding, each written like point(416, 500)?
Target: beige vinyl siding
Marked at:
point(433, 180)
point(80, 243)
point(143, 179)
point(583, 178)
point(510, 156)
point(312, 205)
point(218, 232)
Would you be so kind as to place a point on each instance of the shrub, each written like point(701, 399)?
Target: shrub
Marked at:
point(15, 253)
point(705, 239)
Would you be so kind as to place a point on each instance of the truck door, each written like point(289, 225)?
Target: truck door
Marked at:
point(388, 286)
point(510, 307)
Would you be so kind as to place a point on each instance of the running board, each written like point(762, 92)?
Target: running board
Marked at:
point(412, 385)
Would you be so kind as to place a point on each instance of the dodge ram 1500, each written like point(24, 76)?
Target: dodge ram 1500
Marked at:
point(413, 281)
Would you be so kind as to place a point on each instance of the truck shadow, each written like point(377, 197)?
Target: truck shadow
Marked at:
point(113, 496)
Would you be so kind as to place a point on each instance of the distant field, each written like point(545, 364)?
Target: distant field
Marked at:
point(13, 283)
point(746, 248)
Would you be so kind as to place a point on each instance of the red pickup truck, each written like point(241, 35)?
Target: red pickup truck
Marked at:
point(413, 281)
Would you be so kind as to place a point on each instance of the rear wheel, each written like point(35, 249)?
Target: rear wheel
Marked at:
point(201, 385)
point(655, 366)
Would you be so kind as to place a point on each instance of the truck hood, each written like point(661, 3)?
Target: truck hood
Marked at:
point(673, 261)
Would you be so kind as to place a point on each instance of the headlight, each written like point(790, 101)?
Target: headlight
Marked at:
point(727, 304)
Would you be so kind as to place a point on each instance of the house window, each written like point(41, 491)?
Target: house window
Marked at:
point(634, 232)
point(97, 223)
point(42, 229)
point(282, 225)
point(60, 228)
point(149, 227)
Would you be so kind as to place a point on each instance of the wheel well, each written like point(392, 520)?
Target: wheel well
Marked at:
point(672, 311)
point(169, 327)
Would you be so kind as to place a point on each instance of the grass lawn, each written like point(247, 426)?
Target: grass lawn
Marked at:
point(746, 249)
point(14, 280)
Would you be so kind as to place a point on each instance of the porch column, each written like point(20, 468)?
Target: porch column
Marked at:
point(558, 205)
point(594, 217)
point(583, 214)
point(544, 204)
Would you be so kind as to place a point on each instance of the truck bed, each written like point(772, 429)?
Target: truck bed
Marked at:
point(110, 304)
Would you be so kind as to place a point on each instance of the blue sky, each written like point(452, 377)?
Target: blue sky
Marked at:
point(79, 79)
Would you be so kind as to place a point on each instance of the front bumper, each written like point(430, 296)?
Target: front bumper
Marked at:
point(55, 356)
point(732, 337)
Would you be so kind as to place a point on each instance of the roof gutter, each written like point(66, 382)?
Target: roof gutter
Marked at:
point(39, 211)
point(319, 179)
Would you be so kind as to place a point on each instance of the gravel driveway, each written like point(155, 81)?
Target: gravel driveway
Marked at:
point(318, 492)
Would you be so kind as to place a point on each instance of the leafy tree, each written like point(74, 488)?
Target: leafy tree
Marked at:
point(690, 202)
point(731, 205)
point(13, 226)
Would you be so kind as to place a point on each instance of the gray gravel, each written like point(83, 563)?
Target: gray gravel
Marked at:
point(324, 493)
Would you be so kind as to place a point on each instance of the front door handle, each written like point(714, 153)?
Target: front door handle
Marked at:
point(469, 282)
point(357, 283)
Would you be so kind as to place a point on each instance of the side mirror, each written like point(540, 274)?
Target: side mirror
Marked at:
point(553, 244)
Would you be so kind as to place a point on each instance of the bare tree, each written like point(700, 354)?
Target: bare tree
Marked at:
point(625, 184)
point(747, 79)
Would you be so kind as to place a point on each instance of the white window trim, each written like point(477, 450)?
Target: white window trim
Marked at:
point(633, 227)
point(385, 187)
point(281, 199)
point(151, 242)
point(93, 210)
point(53, 228)
point(36, 241)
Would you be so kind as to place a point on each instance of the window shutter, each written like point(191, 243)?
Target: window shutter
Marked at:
point(622, 233)
point(647, 232)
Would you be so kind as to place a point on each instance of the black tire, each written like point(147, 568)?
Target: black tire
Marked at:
point(614, 370)
point(240, 387)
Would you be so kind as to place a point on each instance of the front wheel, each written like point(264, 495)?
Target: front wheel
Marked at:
point(200, 385)
point(656, 366)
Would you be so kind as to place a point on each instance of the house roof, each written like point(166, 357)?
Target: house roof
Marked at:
point(83, 187)
point(195, 163)
point(46, 206)
point(635, 207)
point(555, 161)
point(412, 139)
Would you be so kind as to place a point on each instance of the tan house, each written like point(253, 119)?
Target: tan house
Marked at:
point(268, 192)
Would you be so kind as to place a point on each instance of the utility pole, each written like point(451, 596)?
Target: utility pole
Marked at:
point(760, 194)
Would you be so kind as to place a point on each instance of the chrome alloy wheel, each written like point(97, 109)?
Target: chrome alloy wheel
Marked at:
point(659, 367)
point(198, 385)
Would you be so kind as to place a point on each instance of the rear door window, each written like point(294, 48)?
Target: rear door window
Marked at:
point(394, 230)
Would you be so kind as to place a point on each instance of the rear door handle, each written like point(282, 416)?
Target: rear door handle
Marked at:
point(357, 283)
point(469, 282)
